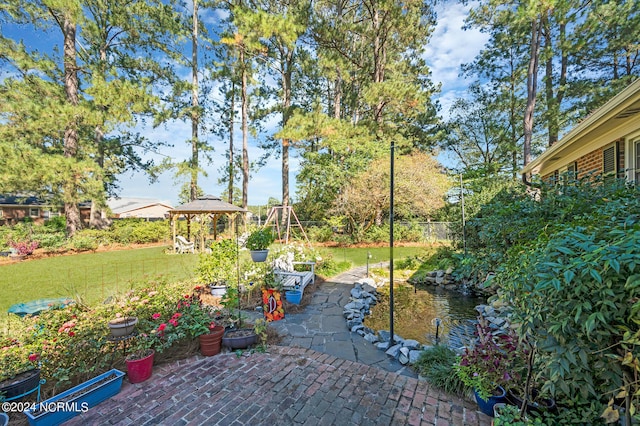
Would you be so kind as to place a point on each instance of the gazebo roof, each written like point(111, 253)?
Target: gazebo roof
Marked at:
point(206, 204)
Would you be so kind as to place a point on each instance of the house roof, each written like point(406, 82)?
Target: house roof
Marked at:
point(128, 204)
point(20, 200)
point(206, 204)
point(605, 125)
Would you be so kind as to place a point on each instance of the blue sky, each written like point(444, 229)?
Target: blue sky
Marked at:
point(449, 47)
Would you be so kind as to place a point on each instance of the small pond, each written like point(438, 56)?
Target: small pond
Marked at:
point(415, 314)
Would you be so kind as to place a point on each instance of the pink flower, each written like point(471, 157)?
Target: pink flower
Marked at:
point(162, 326)
point(176, 315)
point(156, 316)
point(173, 322)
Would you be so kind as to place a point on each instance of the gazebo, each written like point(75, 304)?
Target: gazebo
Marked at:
point(205, 206)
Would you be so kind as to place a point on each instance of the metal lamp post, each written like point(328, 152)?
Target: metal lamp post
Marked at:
point(391, 339)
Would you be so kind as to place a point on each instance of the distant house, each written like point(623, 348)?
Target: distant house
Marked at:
point(146, 208)
point(605, 143)
point(17, 208)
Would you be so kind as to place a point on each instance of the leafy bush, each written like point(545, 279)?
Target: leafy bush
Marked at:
point(437, 365)
point(577, 246)
point(260, 239)
point(150, 232)
point(320, 234)
point(82, 242)
point(219, 266)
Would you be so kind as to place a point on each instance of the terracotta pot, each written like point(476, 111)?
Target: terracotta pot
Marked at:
point(210, 344)
point(139, 370)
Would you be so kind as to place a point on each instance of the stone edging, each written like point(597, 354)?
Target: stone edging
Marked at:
point(363, 296)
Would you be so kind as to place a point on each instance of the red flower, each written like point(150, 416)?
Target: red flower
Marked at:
point(173, 322)
point(71, 333)
point(162, 326)
point(156, 316)
point(33, 357)
point(176, 315)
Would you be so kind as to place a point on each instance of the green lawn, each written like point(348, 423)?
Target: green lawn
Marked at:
point(95, 276)
point(92, 276)
point(358, 256)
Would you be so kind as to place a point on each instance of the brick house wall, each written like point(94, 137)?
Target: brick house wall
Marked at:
point(592, 163)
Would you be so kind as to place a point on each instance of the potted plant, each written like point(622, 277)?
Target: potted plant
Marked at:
point(19, 373)
point(488, 365)
point(197, 321)
point(76, 400)
point(139, 361)
point(122, 326)
point(258, 243)
point(218, 267)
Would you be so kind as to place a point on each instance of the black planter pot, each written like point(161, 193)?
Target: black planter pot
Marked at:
point(23, 383)
point(239, 339)
point(536, 405)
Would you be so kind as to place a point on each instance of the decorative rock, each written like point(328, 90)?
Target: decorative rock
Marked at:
point(393, 351)
point(383, 346)
point(440, 279)
point(403, 356)
point(413, 356)
point(371, 338)
point(355, 305)
point(356, 293)
point(357, 327)
point(439, 273)
point(384, 335)
point(412, 344)
point(353, 322)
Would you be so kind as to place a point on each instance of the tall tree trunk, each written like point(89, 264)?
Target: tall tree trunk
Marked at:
point(337, 94)
point(245, 131)
point(195, 113)
point(532, 85)
point(71, 132)
point(232, 115)
point(286, 106)
point(98, 218)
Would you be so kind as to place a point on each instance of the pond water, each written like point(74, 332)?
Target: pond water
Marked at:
point(416, 314)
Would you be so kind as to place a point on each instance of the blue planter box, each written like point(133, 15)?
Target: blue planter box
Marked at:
point(76, 400)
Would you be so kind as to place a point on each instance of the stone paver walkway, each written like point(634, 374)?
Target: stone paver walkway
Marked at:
point(326, 375)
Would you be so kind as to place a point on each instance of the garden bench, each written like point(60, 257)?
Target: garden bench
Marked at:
point(291, 279)
point(182, 245)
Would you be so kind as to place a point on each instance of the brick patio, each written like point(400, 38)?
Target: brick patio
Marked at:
point(285, 386)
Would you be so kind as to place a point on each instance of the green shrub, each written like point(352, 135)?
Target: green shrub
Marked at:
point(320, 234)
point(82, 242)
point(437, 365)
point(219, 266)
point(584, 257)
point(150, 232)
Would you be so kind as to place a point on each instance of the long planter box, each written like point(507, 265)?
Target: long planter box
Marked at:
point(76, 400)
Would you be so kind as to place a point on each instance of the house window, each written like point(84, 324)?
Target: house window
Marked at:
point(610, 162)
point(571, 175)
point(636, 166)
point(33, 212)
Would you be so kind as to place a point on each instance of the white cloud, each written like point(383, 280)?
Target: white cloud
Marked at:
point(451, 46)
